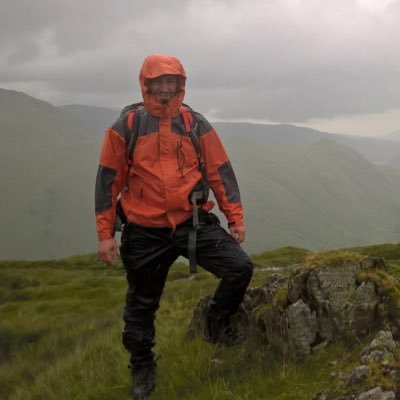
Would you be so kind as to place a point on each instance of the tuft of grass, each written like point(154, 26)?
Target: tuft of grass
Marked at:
point(385, 282)
point(388, 287)
point(331, 257)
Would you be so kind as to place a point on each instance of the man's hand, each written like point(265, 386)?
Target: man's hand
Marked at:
point(238, 233)
point(108, 251)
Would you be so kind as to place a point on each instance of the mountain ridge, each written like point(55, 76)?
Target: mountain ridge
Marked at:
point(315, 194)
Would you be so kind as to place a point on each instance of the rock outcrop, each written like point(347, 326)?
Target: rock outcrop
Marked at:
point(322, 304)
point(313, 306)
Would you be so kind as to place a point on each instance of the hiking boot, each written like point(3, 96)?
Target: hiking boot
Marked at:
point(144, 380)
point(222, 332)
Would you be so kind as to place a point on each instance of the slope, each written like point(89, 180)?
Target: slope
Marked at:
point(62, 338)
point(296, 189)
point(47, 170)
point(320, 196)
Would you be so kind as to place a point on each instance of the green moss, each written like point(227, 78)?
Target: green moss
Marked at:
point(388, 288)
point(331, 257)
point(280, 297)
point(385, 282)
point(379, 377)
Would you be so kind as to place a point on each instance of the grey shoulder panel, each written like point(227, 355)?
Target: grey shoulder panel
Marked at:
point(119, 126)
point(229, 181)
point(203, 125)
point(177, 125)
point(146, 123)
point(143, 123)
point(103, 195)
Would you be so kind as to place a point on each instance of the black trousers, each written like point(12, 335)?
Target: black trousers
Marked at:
point(147, 255)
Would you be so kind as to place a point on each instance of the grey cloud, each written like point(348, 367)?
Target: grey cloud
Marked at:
point(286, 60)
point(23, 52)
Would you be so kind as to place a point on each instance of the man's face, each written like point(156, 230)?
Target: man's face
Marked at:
point(164, 87)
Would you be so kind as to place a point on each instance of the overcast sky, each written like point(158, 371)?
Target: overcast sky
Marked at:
point(330, 64)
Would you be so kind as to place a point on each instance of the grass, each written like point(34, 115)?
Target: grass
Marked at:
point(60, 338)
point(283, 256)
point(331, 257)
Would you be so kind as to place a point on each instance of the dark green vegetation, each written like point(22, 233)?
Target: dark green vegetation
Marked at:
point(299, 186)
point(61, 327)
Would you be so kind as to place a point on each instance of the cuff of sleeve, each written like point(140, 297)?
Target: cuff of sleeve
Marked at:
point(237, 222)
point(104, 236)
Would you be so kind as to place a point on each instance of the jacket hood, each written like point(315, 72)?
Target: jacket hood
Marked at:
point(156, 65)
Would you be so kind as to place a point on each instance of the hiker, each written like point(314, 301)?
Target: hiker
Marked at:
point(163, 182)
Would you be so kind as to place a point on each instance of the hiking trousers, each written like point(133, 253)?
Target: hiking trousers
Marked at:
point(148, 253)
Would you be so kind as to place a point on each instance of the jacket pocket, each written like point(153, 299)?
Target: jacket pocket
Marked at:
point(135, 187)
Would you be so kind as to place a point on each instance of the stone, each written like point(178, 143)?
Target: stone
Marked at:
point(383, 339)
point(382, 357)
point(374, 262)
point(357, 376)
point(198, 321)
point(297, 287)
point(311, 309)
point(302, 327)
point(321, 396)
point(331, 292)
point(380, 350)
point(376, 394)
point(365, 308)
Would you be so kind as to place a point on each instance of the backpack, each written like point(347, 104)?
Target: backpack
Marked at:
point(200, 192)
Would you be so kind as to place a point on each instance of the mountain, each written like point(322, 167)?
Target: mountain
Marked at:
point(394, 135)
point(47, 170)
point(376, 150)
point(96, 119)
point(298, 187)
point(318, 196)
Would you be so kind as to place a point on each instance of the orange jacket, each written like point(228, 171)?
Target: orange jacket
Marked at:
point(155, 190)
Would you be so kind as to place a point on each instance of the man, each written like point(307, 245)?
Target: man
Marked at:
point(155, 189)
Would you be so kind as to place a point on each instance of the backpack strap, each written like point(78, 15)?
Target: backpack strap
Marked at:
point(196, 195)
point(131, 128)
point(188, 119)
point(133, 137)
point(128, 122)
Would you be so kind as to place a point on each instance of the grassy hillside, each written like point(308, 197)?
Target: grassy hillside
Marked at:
point(375, 150)
point(61, 329)
point(320, 196)
point(96, 119)
point(48, 165)
point(296, 188)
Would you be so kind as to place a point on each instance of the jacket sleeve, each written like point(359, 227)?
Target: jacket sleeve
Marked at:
point(220, 174)
point(109, 182)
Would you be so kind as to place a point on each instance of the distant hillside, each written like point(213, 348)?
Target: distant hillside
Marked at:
point(394, 135)
point(97, 119)
point(395, 163)
point(297, 188)
point(47, 170)
point(319, 196)
point(376, 150)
